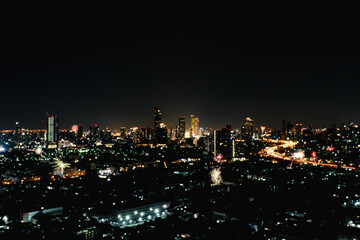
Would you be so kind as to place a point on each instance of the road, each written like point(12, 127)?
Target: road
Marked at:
point(272, 152)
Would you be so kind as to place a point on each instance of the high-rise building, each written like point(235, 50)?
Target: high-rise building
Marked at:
point(150, 134)
point(160, 128)
point(181, 129)
point(248, 128)
point(122, 133)
point(194, 126)
point(80, 131)
point(157, 117)
point(298, 128)
point(162, 134)
point(105, 135)
point(52, 131)
point(222, 143)
point(290, 127)
point(94, 132)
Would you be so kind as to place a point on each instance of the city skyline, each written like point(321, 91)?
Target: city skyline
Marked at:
point(173, 123)
point(219, 129)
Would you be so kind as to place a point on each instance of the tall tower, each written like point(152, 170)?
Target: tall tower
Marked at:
point(159, 129)
point(52, 131)
point(224, 144)
point(194, 126)
point(80, 131)
point(248, 128)
point(157, 117)
point(94, 132)
point(181, 128)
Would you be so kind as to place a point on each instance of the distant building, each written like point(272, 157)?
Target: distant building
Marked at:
point(160, 128)
point(223, 143)
point(105, 135)
point(248, 129)
point(122, 133)
point(88, 233)
point(194, 126)
point(150, 134)
point(157, 117)
point(162, 134)
point(31, 216)
point(94, 133)
point(80, 131)
point(298, 129)
point(181, 128)
point(52, 131)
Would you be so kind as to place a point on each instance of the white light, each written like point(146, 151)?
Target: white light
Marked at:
point(141, 214)
point(299, 155)
point(2, 149)
point(215, 175)
point(149, 217)
point(140, 219)
point(156, 210)
point(136, 212)
point(127, 217)
point(38, 151)
point(151, 209)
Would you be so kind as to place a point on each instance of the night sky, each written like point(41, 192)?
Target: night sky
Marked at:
point(114, 74)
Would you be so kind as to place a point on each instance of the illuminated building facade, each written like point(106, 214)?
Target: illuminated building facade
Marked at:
point(162, 134)
point(248, 129)
point(94, 132)
point(52, 131)
point(194, 126)
point(223, 143)
point(157, 117)
point(160, 128)
point(181, 128)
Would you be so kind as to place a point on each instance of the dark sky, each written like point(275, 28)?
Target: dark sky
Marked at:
point(114, 74)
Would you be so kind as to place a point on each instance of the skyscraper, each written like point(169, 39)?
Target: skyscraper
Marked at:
point(52, 131)
point(157, 117)
point(80, 131)
point(194, 126)
point(94, 132)
point(181, 134)
point(248, 129)
point(222, 143)
point(160, 128)
point(162, 134)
